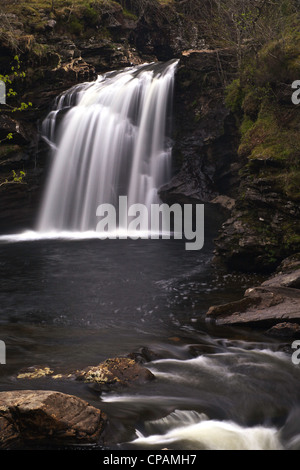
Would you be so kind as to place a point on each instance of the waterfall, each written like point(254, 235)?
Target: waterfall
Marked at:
point(109, 138)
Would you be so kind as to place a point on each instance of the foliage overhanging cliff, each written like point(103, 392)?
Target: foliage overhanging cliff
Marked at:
point(265, 224)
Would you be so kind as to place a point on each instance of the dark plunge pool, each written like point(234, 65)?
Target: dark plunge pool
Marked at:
point(69, 304)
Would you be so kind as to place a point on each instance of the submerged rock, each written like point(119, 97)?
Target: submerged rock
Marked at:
point(285, 330)
point(114, 372)
point(145, 355)
point(27, 416)
point(35, 373)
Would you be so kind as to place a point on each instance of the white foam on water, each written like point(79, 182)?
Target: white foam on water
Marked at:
point(195, 431)
point(32, 236)
point(183, 369)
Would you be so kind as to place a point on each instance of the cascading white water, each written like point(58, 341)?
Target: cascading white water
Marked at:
point(111, 141)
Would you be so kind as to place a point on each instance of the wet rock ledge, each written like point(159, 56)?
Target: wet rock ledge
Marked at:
point(274, 304)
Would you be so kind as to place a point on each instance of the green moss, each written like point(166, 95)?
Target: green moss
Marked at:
point(39, 50)
point(267, 151)
point(91, 16)
point(291, 237)
point(246, 125)
point(255, 135)
point(288, 182)
point(129, 15)
point(75, 26)
point(251, 104)
point(270, 137)
point(279, 60)
point(234, 96)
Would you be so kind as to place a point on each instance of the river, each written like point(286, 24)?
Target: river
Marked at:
point(72, 303)
point(70, 300)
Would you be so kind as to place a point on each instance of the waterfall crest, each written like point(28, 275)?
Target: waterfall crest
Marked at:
point(109, 139)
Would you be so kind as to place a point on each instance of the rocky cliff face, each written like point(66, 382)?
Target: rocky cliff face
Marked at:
point(242, 155)
point(57, 49)
point(264, 225)
point(205, 134)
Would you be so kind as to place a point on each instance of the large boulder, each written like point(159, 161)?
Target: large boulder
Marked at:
point(36, 416)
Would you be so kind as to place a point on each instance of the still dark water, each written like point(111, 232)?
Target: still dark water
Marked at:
point(69, 304)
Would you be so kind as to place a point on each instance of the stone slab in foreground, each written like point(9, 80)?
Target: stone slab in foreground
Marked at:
point(260, 305)
point(47, 415)
point(274, 301)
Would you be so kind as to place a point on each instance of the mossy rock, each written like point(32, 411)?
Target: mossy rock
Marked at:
point(120, 371)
